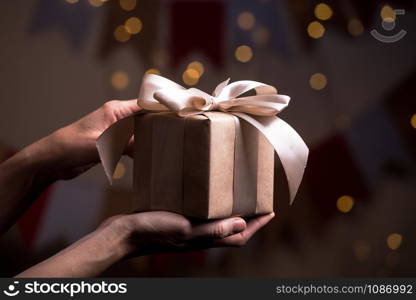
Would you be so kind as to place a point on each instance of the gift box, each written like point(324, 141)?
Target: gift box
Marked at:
point(205, 156)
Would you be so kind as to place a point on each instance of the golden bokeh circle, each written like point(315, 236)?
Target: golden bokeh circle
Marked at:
point(394, 241)
point(355, 27)
point(152, 71)
point(121, 34)
point(120, 171)
point(318, 81)
point(190, 77)
point(246, 20)
point(345, 203)
point(323, 11)
point(119, 80)
point(128, 5)
point(198, 66)
point(133, 25)
point(387, 13)
point(315, 30)
point(413, 121)
point(243, 53)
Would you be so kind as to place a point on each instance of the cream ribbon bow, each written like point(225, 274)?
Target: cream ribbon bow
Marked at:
point(161, 94)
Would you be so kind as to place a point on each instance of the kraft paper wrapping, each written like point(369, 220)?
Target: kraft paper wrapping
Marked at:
point(205, 166)
point(206, 156)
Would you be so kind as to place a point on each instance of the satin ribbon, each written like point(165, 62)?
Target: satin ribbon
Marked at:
point(161, 94)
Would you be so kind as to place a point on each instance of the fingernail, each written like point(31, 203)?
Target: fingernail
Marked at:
point(238, 225)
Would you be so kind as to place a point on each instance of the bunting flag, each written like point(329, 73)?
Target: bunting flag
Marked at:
point(333, 172)
point(197, 26)
point(260, 24)
point(73, 20)
point(144, 37)
point(376, 145)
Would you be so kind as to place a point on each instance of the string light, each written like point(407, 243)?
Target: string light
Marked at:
point(323, 11)
point(387, 13)
point(152, 71)
point(413, 121)
point(394, 241)
point(119, 80)
point(243, 53)
point(345, 203)
point(246, 20)
point(318, 81)
point(315, 30)
point(121, 34)
point(355, 27)
point(128, 5)
point(133, 25)
point(261, 35)
point(197, 66)
point(120, 171)
point(190, 76)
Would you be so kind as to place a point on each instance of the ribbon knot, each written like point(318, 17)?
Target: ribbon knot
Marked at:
point(161, 94)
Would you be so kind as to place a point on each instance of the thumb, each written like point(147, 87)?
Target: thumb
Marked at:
point(218, 229)
point(126, 108)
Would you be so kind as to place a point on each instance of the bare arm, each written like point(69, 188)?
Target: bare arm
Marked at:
point(69, 152)
point(63, 154)
point(140, 234)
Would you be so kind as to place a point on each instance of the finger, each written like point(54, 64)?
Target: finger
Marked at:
point(241, 238)
point(128, 107)
point(218, 229)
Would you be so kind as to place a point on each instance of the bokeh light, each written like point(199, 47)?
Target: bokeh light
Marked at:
point(128, 5)
point(243, 53)
point(246, 20)
point(315, 30)
point(394, 241)
point(190, 76)
point(355, 27)
point(120, 171)
point(413, 121)
point(133, 25)
point(323, 11)
point(152, 71)
point(119, 80)
point(318, 81)
point(387, 13)
point(72, 1)
point(96, 3)
point(121, 34)
point(345, 203)
point(260, 35)
point(197, 66)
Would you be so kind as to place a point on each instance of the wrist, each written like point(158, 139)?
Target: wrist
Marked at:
point(117, 232)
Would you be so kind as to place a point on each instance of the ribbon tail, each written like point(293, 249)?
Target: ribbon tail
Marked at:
point(112, 142)
point(289, 146)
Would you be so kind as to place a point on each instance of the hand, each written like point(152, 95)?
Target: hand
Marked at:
point(160, 231)
point(74, 145)
point(144, 233)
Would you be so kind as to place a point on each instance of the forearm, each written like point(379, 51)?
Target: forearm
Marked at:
point(22, 178)
point(88, 257)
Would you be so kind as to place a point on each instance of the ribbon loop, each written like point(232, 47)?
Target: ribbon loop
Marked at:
point(161, 94)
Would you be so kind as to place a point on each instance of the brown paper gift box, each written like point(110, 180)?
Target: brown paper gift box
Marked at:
point(211, 165)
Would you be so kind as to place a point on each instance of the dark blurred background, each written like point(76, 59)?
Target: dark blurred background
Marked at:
point(348, 65)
